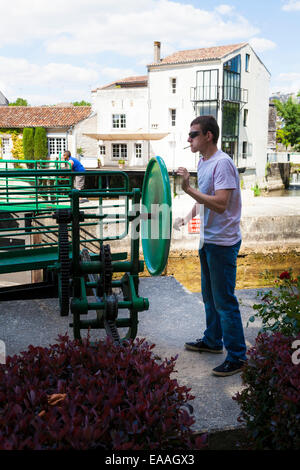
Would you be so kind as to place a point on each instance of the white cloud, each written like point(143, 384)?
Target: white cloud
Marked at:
point(115, 73)
point(60, 82)
point(287, 82)
point(224, 9)
point(34, 74)
point(94, 26)
point(176, 25)
point(262, 44)
point(291, 5)
point(81, 30)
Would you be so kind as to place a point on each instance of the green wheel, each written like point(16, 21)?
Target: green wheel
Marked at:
point(156, 216)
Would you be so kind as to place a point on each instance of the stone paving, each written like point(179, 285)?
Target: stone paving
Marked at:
point(175, 316)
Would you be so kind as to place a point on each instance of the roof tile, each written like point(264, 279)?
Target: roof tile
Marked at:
point(195, 55)
point(142, 80)
point(44, 116)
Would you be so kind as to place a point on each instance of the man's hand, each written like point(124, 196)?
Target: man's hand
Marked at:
point(185, 184)
point(179, 222)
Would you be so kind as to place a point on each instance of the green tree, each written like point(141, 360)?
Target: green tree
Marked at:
point(19, 102)
point(40, 144)
point(81, 103)
point(290, 113)
point(282, 136)
point(28, 143)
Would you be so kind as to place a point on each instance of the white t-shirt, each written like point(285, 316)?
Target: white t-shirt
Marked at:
point(219, 172)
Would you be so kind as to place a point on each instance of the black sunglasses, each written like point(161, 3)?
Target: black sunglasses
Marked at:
point(193, 134)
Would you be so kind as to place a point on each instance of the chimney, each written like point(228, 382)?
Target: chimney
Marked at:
point(156, 51)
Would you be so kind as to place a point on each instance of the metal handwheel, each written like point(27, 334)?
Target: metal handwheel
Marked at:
point(92, 273)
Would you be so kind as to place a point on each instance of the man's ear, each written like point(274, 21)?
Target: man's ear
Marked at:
point(209, 136)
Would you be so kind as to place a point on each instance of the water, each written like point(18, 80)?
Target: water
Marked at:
point(254, 270)
point(293, 191)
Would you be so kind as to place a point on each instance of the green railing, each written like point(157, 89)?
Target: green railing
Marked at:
point(30, 197)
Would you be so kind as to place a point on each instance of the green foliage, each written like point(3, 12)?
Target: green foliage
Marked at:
point(270, 399)
point(282, 136)
point(290, 132)
point(28, 143)
point(17, 140)
point(40, 144)
point(81, 103)
point(279, 309)
point(256, 190)
point(19, 102)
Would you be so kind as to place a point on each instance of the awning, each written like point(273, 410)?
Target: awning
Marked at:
point(124, 136)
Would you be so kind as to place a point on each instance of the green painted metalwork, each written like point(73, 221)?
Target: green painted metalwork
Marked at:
point(43, 225)
point(156, 230)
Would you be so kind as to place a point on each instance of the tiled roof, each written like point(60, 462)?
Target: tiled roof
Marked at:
point(140, 80)
point(44, 116)
point(195, 55)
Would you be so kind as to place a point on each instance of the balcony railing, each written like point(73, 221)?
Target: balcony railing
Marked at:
point(235, 94)
point(206, 93)
point(211, 93)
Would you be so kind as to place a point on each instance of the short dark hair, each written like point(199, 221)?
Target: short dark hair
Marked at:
point(208, 123)
point(68, 153)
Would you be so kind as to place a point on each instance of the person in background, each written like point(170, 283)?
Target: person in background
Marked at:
point(79, 180)
point(219, 192)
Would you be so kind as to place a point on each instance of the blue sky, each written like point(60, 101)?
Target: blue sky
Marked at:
point(54, 51)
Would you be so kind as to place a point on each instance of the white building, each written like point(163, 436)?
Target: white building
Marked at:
point(139, 117)
point(123, 123)
point(64, 128)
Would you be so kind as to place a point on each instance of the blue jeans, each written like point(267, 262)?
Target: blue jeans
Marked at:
point(223, 317)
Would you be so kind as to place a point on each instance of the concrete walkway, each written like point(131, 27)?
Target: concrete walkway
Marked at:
point(175, 316)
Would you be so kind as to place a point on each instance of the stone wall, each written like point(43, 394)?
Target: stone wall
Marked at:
point(277, 176)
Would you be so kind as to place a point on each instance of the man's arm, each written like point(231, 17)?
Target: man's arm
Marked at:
point(180, 221)
point(217, 203)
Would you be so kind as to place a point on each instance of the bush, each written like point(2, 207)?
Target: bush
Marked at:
point(74, 395)
point(28, 143)
point(40, 144)
point(270, 403)
point(280, 307)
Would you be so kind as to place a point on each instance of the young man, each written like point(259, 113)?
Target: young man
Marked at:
point(76, 166)
point(219, 192)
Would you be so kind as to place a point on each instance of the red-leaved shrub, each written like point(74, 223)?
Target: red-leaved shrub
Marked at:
point(270, 402)
point(76, 395)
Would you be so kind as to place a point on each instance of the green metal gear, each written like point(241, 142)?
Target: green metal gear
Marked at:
point(64, 272)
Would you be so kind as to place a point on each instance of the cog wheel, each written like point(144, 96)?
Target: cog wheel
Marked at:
point(111, 314)
point(104, 284)
point(64, 273)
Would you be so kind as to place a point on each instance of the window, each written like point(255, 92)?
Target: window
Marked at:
point(56, 145)
point(245, 149)
point(102, 149)
point(206, 93)
point(232, 79)
point(245, 120)
point(173, 85)
point(173, 117)
point(5, 146)
point(119, 121)
point(247, 62)
point(119, 151)
point(138, 150)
